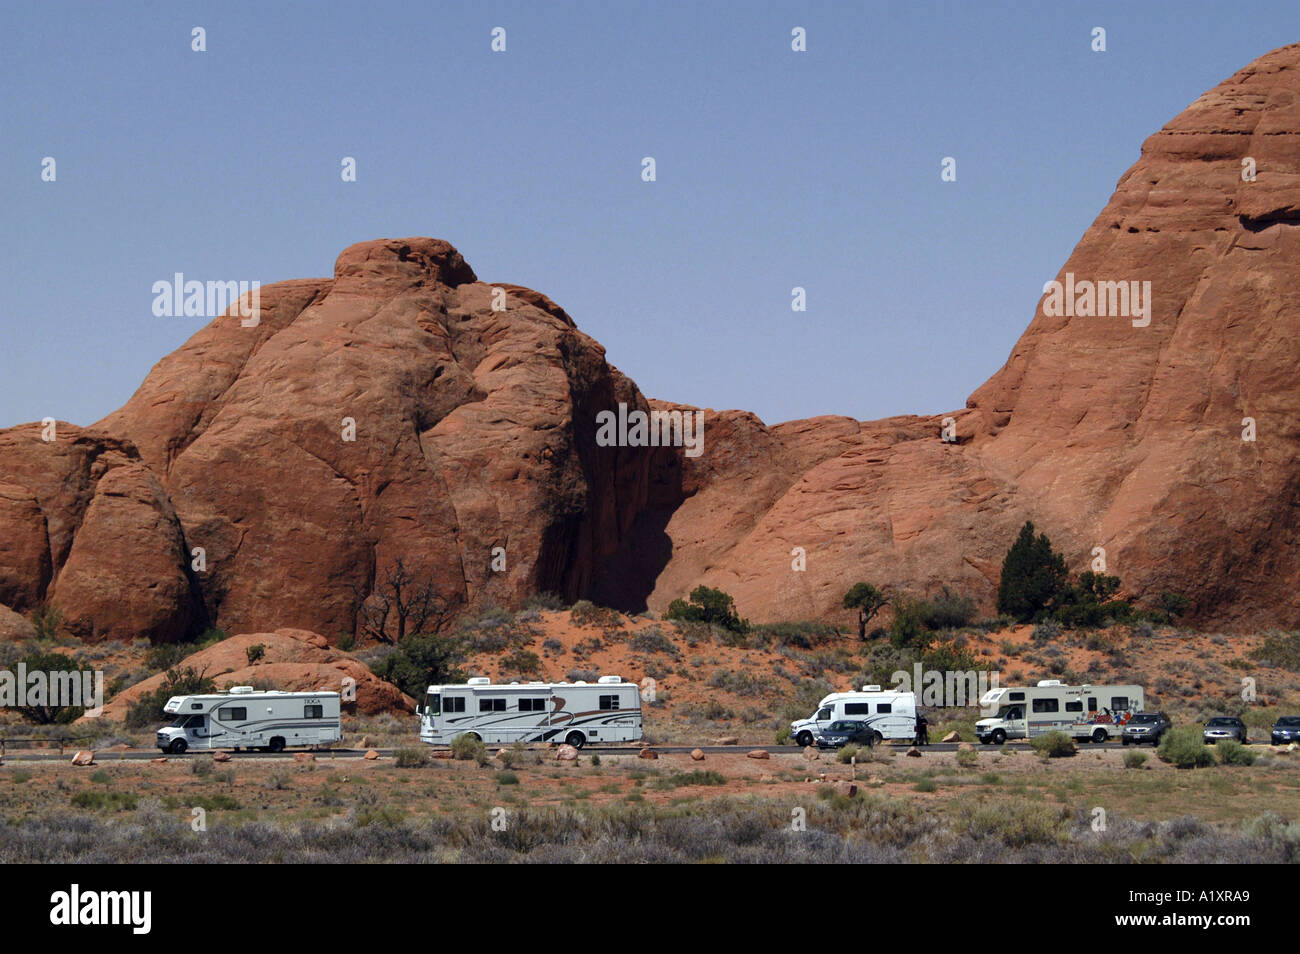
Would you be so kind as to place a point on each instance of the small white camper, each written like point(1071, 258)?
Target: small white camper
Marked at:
point(608, 710)
point(891, 714)
point(246, 718)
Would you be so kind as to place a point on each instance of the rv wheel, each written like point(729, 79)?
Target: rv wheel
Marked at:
point(575, 739)
point(1100, 736)
point(277, 744)
point(179, 747)
point(999, 737)
point(804, 738)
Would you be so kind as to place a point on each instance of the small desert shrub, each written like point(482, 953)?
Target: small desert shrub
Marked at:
point(926, 785)
point(105, 801)
point(847, 753)
point(1046, 631)
point(697, 777)
point(467, 747)
point(967, 758)
point(255, 652)
point(1184, 748)
point(587, 613)
point(652, 640)
point(1232, 752)
point(553, 645)
point(410, 757)
point(543, 601)
point(1054, 745)
point(507, 778)
point(523, 661)
point(582, 675)
point(1135, 760)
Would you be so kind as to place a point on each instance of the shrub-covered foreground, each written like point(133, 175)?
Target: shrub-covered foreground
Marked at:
point(865, 828)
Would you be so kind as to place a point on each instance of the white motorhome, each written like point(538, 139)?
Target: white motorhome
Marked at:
point(245, 718)
point(892, 714)
point(607, 710)
point(1091, 713)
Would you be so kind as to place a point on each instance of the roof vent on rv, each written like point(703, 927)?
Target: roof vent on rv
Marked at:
point(1050, 682)
point(479, 681)
point(871, 689)
point(609, 680)
point(241, 690)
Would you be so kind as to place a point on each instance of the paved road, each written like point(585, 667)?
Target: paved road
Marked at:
point(135, 755)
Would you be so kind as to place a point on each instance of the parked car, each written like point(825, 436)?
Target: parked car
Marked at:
point(1145, 727)
point(1286, 729)
point(1224, 727)
point(841, 733)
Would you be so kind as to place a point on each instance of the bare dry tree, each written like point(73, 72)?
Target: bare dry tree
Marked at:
point(403, 601)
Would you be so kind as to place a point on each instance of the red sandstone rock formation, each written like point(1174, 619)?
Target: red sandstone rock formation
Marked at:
point(474, 428)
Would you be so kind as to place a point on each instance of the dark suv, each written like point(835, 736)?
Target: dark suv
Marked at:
point(839, 734)
point(1286, 729)
point(1224, 727)
point(1145, 727)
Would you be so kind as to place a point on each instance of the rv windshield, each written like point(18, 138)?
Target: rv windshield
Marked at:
point(432, 703)
point(1011, 712)
point(190, 721)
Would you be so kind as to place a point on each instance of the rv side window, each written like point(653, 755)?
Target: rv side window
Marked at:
point(1046, 705)
point(608, 702)
point(823, 714)
point(1015, 697)
point(233, 714)
point(313, 712)
point(1092, 703)
point(857, 708)
point(884, 707)
point(492, 705)
point(1073, 705)
point(532, 705)
point(1118, 703)
point(453, 704)
point(196, 705)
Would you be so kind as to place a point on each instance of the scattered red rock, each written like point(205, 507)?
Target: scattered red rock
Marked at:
point(84, 758)
point(372, 756)
point(758, 754)
point(697, 755)
point(647, 754)
point(221, 756)
point(566, 753)
point(304, 757)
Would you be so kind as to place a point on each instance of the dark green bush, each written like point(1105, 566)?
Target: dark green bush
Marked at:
point(1184, 748)
point(1053, 745)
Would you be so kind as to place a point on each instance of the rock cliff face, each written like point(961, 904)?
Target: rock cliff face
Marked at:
point(1104, 432)
point(269, 476)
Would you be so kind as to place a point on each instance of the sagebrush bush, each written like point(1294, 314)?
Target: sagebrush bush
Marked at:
point(410, 757)
point(1054, 745)
point(1232, 752)
point(1185, 747)
point(467, 747)
point(1134, 760)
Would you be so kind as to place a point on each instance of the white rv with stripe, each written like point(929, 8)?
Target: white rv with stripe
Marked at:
point(608, 710)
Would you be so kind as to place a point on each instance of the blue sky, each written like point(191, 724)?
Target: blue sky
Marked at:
point(775, 169)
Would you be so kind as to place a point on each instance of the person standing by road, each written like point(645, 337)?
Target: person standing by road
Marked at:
point(922, 730)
